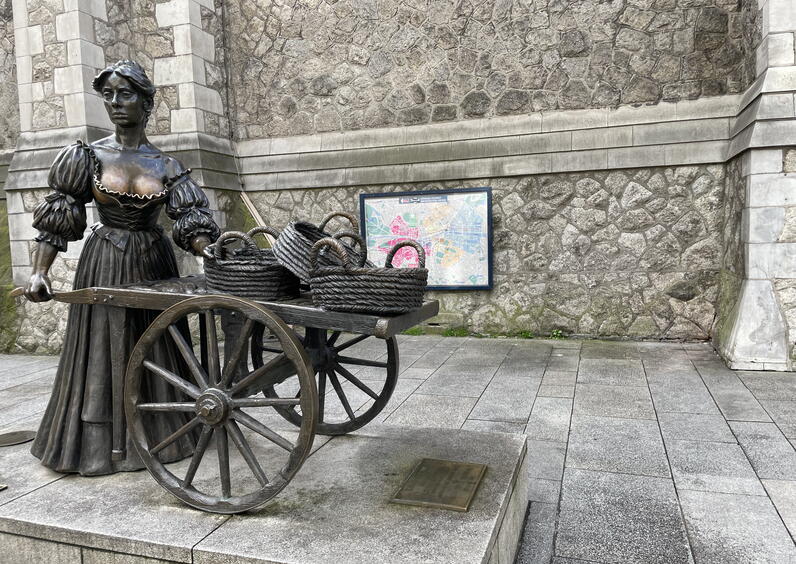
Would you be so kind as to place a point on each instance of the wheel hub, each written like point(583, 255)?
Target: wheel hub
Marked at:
point(212, 407)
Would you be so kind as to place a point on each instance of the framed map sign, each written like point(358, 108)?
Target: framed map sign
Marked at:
point(454, 227)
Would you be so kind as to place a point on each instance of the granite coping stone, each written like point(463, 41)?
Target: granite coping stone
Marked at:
point(340, 497)
point(337, 507)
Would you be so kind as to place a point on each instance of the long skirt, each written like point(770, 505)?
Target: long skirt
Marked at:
point(76, 431)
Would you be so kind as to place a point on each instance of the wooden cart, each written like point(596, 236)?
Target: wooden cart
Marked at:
point(303, 365)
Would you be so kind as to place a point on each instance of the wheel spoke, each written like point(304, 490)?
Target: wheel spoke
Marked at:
point(175, 435)
point(361, 362)
point(233, 361)
point(222, 446)
point(356, 381)
point(340, 394)
point(265, 402)
point(170, 406)
point(182, 385)
point(321, 393)
point(333, 339)
point(352, 342)
point(271, 349)
point(188, 355)
point(259, 428)
point(249, 379)
point(246, 451)
point(198, 454)
point(213, 359)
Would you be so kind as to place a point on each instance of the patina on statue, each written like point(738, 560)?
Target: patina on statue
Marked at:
point(129, 180)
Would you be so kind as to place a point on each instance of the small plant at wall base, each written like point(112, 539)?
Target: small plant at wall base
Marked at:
point(557, 334)
point(525, 335)
point(415, 331)
point(456, 332)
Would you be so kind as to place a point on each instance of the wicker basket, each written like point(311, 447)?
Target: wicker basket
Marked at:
point(295, 243)
point(357, 289)
point(249, 272)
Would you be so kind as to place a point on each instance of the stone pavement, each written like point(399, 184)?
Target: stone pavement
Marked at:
point(639, 452)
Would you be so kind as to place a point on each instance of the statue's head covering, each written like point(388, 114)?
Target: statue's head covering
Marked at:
point(137, 76)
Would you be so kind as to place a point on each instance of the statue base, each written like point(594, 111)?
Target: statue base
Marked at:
point(336, 509)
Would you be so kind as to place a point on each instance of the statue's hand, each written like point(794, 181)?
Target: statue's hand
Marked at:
point(39, 288)
point(207, 252)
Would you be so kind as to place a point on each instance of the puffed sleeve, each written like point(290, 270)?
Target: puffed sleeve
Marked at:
point(61, 217)
point(188, 207)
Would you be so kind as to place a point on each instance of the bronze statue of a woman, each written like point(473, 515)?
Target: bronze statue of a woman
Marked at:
point(130, 181)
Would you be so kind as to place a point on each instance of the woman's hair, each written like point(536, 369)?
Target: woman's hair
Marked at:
point(133, 72)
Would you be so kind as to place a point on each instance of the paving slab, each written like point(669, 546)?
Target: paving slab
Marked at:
point(695, 427)
point(618, 372)
point(783, 413)
point(506, 399)
point(563, 362)
point(559, 377)
point(609, 349)
point(609, 517)
point(549, 420)
point(632, 402)
point(631, 446)
point(770, 385)
point(733, 398)
point(546, 491)
point(536, 546)
point(455, 380)
point(680, 391)
point(493, 426)
point(783, 495)
point(556, 391)
point(546, 459)
point(770, 453)
point(712, 467)
point(421, 410)
point(337, 507)
point(520, 369)
point(735, 529)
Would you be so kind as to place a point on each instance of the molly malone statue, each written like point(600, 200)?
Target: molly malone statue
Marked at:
point(130, 180)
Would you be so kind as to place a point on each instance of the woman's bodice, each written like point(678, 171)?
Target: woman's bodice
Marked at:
point(129, 188)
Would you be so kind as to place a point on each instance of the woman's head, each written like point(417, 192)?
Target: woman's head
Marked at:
point(127, 92)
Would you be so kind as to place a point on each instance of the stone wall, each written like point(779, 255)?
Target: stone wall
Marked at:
point(785, 289)
point(626, 253)
point(304, 66)
point(9, 101)
point(732, 259)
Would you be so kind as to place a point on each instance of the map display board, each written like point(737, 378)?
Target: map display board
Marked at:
point(453, 226)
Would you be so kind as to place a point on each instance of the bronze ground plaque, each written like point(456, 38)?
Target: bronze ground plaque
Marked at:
point(444, 484)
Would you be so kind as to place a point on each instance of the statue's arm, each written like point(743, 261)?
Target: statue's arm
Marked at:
point(194, 228)
point(61, 217)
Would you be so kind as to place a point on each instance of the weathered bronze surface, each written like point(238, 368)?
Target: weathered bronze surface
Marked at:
point(444, 484)
point(130, 181)
point(16, 438)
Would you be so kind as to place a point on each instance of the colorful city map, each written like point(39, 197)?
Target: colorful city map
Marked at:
point(452, 227)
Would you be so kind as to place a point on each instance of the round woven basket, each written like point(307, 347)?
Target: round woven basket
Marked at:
point(357, 289)
point(293, 246)
point(249, 271)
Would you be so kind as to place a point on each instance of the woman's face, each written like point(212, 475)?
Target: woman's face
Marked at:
point(124, 104)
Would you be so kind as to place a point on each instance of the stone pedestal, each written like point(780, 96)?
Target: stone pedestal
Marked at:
point(336, 509)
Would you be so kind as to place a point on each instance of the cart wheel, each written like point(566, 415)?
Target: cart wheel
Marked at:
point(354, 381)
point(214, 408)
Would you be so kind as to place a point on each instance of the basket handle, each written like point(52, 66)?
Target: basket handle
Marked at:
point(421, 253)
point(363, 250)
point(348, 216)
point(263, 229)
point(336, 246)
point(218, 246)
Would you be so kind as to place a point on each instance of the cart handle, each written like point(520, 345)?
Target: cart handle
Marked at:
point(421, 252)
point(348, 216)
point(336, 246)
point(218, 246)
point(263, 229)
point(363, 250)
